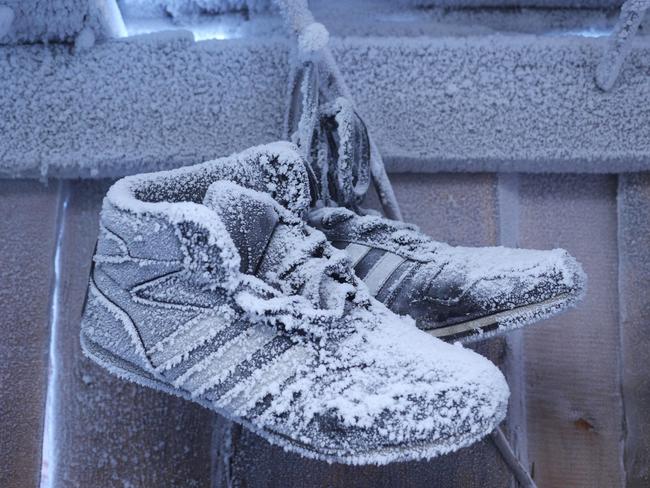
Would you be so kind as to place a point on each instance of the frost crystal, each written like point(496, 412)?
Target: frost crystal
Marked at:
point(206, 287)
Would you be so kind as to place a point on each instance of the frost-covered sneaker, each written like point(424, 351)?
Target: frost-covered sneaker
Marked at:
point(215, 292)
point(454, 293)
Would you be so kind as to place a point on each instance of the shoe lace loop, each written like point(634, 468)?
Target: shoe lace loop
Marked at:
point(316, 289)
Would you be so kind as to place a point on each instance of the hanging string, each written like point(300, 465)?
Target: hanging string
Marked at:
point(312, 38)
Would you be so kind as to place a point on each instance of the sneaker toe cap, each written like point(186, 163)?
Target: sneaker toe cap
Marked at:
point(416, 397)
point(476, 282)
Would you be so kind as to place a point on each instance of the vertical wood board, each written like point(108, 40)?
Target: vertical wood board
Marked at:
point(28, 216)
point(109, 432)
point(634, 275)
point(572, 360)
point(516, 424)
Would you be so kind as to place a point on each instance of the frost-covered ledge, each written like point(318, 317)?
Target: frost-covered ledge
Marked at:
point(498, 103)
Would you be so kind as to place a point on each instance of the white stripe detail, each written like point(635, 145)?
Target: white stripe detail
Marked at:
point(246, 394)
point(381, 271)
point(356, 252)
point(513, 315)
point(197, 331)
point(216, 367)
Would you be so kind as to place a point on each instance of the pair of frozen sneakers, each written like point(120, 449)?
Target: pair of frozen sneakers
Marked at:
point(209, 283)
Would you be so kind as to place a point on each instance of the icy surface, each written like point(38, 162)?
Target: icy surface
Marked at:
point(500, 103)
point(318, 366)
point(62, 20)
point(382, 18)
point(85, 39)
point(193, 7)
point(313, 38)
point(59, 20)
point(483, 280)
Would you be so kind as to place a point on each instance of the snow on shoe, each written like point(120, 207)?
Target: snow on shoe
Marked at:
point(211, 290)
point(455, 293)
point(182, 8)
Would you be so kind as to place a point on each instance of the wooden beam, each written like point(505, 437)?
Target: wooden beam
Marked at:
point(634, 280)
point(501, 103)
point(107, 431)
point(574, 407)
point(28, 217)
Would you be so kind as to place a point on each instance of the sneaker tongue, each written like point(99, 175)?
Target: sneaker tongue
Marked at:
point(249, 217)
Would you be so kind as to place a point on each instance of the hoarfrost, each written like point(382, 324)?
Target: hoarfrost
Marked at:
point(6, 19)
point(313, 38)
point(515, 3)
point(85, 39)
point(355, 383)
point(494, 280)
point(59, 20)
point(620, 42)
point(183, 8)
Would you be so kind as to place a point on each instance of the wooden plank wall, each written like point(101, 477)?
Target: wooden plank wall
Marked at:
point(110, 432)
point(582, 376)
point(104, 432)
point(571, 362)
point(634, 243)
point(28, 214)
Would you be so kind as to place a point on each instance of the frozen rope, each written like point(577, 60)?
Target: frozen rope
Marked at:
point(620, 43)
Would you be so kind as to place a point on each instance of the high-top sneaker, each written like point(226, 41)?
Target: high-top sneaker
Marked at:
point(213, 291)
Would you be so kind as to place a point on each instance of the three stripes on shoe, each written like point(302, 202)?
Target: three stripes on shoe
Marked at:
point(230, 364)
point(225, 363)
point(383, 272)
point(386, 274)
point(234, 364)
point(221, 355)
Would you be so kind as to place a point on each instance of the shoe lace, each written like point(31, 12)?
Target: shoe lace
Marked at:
point(317, 288)
point(620, 42)
point(376, 229)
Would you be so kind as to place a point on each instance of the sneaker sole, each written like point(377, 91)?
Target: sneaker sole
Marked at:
point(383, 455)
point(502, 322)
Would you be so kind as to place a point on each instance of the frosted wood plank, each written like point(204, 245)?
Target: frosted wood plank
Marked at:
point(256, 463)
point(634, 275)
point(27, 235)
point(110, 432)
point(515, 103)
point(508, 198)
point(572, 361)
point(460, 209)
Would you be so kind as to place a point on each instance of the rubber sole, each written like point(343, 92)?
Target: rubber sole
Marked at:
point(501, 322)
point(382, 455)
